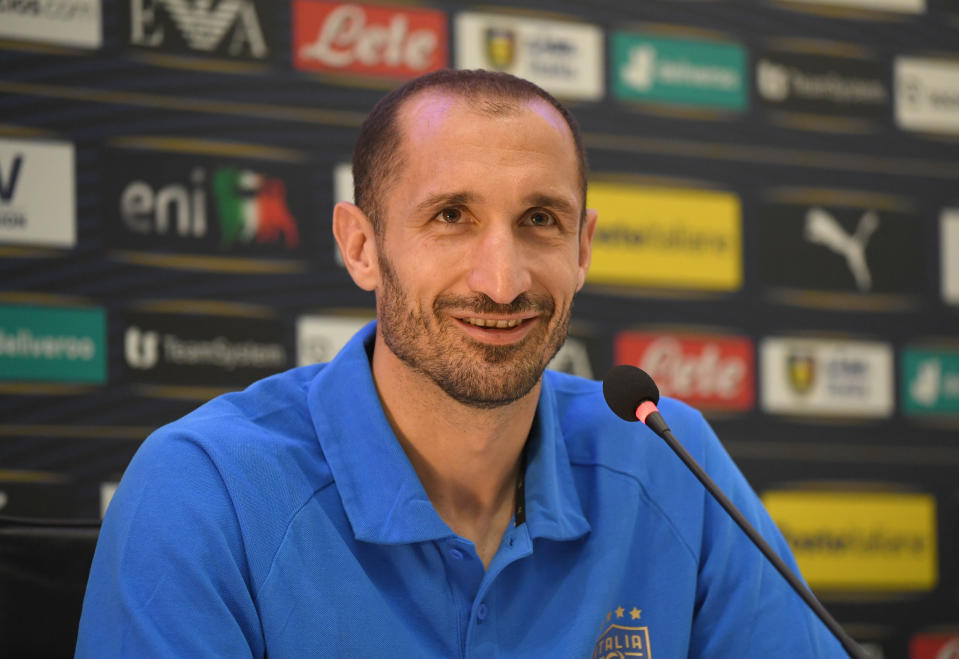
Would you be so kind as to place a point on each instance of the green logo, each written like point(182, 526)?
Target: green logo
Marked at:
point(702, 74)
point(930, 381)
point(54, 345)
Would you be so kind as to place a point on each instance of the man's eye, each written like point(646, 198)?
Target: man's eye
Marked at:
point(540, 219)
point(450, 215)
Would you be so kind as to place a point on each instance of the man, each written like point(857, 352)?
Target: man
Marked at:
point(430, 492)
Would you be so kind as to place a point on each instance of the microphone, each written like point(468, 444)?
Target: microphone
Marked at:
point(632, 395)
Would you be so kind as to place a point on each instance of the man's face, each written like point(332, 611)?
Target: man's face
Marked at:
point(481, 249)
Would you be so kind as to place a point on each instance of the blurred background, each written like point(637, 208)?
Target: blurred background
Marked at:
point(778, 191)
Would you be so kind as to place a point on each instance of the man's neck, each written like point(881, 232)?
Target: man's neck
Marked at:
point(467, 459)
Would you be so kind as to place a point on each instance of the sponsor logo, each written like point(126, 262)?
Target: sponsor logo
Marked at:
point(927, 94)
point(189, 202)
point(817, 84)
point(319, 338)
point(826, 377)
point(342, 191)
point(840, 249)
point(52, 344)
point(367, 39)
point(934, 646)
point(225, 28)
point(930, 381)
point(563, 57)
point(107, 490)
point(859, 540)
point(679, 71)
point(572, 358)
point(173, 349)
point(623, 635)
point(500, 47)
point(37, 193)
point(902, 6)
point(708, 371)
point(61, 22)
point(666, 237)
point(949, 254)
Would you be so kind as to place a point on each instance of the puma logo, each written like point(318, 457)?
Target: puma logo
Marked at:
point(823, 229)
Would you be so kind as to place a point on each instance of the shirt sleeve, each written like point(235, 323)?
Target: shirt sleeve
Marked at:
point(169, 577)
point(744, 607)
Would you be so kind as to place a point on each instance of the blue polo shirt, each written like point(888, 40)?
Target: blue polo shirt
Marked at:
point(287, 521)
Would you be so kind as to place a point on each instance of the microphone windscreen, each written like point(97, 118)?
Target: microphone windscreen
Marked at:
point(626, 387)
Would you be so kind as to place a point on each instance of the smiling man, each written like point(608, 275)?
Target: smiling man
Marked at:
point(432, 492)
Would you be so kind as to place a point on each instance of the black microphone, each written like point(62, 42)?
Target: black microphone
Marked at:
point(633, 395)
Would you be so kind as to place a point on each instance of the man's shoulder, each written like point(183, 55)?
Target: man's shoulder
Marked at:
point(266, 408)
point(584, 414)
point(262, 433)
point(596, 438)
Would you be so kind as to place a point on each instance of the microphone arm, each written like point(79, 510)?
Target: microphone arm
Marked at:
point(654, 420)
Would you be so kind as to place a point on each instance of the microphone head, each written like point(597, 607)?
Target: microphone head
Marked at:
point(626, 387)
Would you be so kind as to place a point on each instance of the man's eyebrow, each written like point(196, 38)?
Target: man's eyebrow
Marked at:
point(444, 199)
point(553, 202)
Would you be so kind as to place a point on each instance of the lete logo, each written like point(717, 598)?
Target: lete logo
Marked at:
point(713, 372)
point(362, 39)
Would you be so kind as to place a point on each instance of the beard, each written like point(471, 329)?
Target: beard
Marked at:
point(470, 372)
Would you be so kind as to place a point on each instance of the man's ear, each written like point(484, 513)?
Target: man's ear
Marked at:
point(354, 235)
point(586, 245)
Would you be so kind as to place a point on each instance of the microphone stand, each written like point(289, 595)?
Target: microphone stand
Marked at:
point(658, 425)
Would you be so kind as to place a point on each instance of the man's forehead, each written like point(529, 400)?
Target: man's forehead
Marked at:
point(427, 111)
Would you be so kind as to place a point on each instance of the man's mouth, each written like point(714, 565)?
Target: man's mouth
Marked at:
point(494, 324)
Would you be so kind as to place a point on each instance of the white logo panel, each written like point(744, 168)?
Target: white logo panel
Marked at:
point(562, 57)
point(826, 377)
point(37, 193)
point(927, 94)
point(319, 338)
point(64, 22)
point(949, 257)
point(902, 6)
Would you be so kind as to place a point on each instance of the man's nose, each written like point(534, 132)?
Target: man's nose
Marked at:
point(498, 265)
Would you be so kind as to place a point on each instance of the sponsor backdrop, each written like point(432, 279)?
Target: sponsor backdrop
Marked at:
point(778, 190)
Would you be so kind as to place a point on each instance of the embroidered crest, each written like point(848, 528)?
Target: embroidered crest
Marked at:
point(623, 636)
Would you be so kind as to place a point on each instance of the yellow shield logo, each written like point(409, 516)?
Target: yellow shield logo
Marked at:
point(500, 47)
point(802, 372)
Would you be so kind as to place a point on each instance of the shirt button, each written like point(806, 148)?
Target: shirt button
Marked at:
point(456, 553)
point(481, 612)
point(509, 541)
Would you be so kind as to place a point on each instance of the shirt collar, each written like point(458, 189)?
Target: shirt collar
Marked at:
point(381, 493)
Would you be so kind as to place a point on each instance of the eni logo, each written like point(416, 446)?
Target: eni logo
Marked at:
point(623, 637)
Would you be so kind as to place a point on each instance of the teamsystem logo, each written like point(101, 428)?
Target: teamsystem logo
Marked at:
point(815, 83)
point(562, 57)
point(173, 201)
point(174, 349)
point(231, 28)
point(37, 193)
point(368, 40)
point(62, 22)
point(691, 72)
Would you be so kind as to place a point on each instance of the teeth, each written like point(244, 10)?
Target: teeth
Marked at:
point(499, 324)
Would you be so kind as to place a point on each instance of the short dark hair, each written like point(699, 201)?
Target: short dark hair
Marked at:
point(376, 156)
